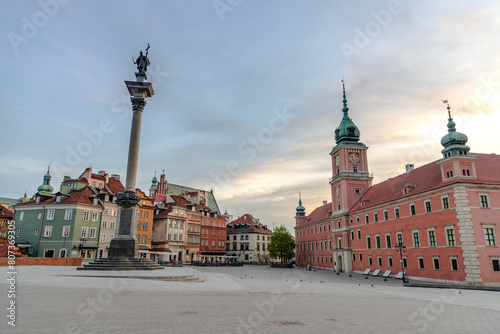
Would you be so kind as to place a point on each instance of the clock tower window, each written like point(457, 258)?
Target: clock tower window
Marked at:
point(354, 169)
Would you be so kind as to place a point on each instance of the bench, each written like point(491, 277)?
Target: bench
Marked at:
point(399, 275)
point(376, 272)
point(387, 274)
point(367, 271)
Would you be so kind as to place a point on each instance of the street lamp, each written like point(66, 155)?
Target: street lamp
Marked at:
point(401, 248)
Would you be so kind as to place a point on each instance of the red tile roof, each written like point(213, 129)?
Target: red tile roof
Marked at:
point(425, 178)
point(318, 214)
point(115, 185)
point(80, 196)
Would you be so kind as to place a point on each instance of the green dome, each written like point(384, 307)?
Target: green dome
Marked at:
point(154, 183)
point(46, 187)
point(454, 142)
point(301, 211)
point(347, 131)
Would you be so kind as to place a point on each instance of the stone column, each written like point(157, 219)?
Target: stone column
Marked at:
point(124, 245)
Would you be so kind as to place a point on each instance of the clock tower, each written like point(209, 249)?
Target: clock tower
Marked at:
point(350, 177)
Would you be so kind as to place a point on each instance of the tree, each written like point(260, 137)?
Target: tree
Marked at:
point(281, 245)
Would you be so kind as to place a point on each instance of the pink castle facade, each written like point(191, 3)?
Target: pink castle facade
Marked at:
point(446, 214)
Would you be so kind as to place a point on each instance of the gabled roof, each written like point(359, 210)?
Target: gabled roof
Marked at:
point(80, 196)
point(247, 222)
point(115, 185)
point(425, 178)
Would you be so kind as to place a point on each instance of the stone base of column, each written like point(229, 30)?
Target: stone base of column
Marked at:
point(123, 248)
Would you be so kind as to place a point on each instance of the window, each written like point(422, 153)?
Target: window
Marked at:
point(18, 232)
point(144, 237)
point(145, 226)
point(106, 212)
point(386, 215)
point(450, 235)
point(65, 231)
point(93, 232)
point(35, 232)
point(103, 237)
point(379, 259)
point(375, 217)
point(39, 215)
point(489, 234)
point(421, 264)
point(111, 236)
point(357, 190)
point(138, 225)
point(339, 242)
point(495, 262)
point(405, 262)
point(446, 203)
point(48, 232)
point(416, 240)
point(389, 260)
point(21, 215)
point(85, 231)
point(396, 212)
point(139, 213)
point(435, 261)
point(360, 256)
point(359, 234)
point(113, 213)
point(453, 263)
point(354, 169)
point(370, 261)
point(368, 242)
point(104, 224)
point(50, 215)
point(399, 236)
point(146, 214)
point(388, 241)
point(354, 256)
point(112, 225)
point(432, 238)
point(352, 235)
point(428, 207)
point(367, 219)
point(86, 215)
point(484, 201)
point(68, 214)
point(412, 209)
point(377, 241)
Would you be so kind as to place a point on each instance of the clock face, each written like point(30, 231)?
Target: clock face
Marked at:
point(354, 157)
point(337, 160)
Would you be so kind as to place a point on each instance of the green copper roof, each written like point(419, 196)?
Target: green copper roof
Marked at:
point(9, 201)
point(46, 188)
point(347, 131)
point(154, 183)
point(454, 142)
point(211, 202)
point(301, 211)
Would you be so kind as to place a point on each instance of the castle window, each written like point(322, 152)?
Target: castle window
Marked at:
point(428, 207)
point(357, 191)
point(489, 235)
point(454, 263)
point(450, 236)
point(412, 209)
point(484, 201)
point(386, 215)
point(396, 212)
point(367, 219)
point(355, 169)
point(375, 217)
point(435, 261)
point(416, 239)
point(446, 203)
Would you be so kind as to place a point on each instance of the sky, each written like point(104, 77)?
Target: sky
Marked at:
point(247, 93)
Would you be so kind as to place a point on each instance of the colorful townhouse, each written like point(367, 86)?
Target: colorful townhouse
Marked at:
point(444, 215)
point(145, 215)
point(247, 240)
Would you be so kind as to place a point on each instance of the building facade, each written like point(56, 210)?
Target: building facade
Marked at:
point(445, 214)
point(247, 240)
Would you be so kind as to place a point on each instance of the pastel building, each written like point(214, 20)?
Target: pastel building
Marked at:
point(248, 240)
point(446, 213)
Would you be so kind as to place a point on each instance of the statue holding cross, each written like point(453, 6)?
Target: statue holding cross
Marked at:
point(142, 61)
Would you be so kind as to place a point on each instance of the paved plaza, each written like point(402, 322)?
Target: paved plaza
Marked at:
point(249, 299)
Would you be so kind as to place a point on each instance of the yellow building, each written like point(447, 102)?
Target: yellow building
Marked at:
point(145, 215)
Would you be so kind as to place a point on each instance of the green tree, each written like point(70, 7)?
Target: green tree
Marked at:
point(282, 245)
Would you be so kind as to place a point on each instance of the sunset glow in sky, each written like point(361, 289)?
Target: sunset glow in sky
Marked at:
point(247, 93)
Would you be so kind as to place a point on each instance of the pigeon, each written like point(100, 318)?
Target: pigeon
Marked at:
point(359, 284)
point(459, 292)
point(372, 285)
point(301, 280)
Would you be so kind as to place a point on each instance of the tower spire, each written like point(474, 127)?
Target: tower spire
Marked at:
point(345, 109)
point(454, 142)
point(300, 210)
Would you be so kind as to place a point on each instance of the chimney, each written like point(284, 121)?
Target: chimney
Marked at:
point(324, 202)
point(409, 167)
point(116, 177)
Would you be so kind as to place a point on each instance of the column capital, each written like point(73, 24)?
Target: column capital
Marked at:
point(138, 103)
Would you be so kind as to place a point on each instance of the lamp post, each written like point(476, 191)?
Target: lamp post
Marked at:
point(401, 248)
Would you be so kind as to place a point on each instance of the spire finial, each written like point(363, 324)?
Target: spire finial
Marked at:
point(300, 199)
point(451, 124)
point(345, 109)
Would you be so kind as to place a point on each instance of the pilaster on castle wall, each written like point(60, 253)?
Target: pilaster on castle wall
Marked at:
point(466, 231)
